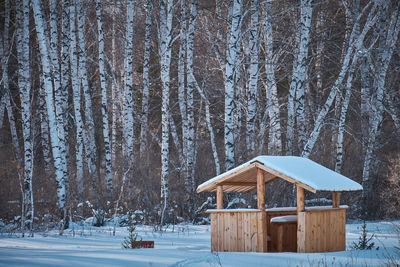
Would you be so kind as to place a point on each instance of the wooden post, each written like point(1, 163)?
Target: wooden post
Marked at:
point(300, 199)
point(220, 197)
point(260, 189)
point(335, 199)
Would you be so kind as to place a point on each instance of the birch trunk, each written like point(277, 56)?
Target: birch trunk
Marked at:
point(128, 101)
point(166, 13)
point(58, 153)
point(272, 107)
point(76, 89)
point(61, 92)
point(231, 56)
point(104, 105)
point(190, 156)
point(88, 134)
point(297, 84)
point(24, 92)
point(388, 32)
point(343, 114)
point(182, 88)
point(146, 81)
point(253, 79)
point(44, 127)
point(128, 104)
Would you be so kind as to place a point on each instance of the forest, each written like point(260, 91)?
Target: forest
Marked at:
point(110, 106)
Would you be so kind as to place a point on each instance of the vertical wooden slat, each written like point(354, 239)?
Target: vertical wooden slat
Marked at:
point(260, 189)
point(214, 232)
point(221, 232)
point(240, 232)
point(220, 197)
point(253, 234)
point(233, 231)
point(247, 231)
point(300, 198)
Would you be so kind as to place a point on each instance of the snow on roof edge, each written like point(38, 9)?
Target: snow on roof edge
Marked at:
point(300, 169)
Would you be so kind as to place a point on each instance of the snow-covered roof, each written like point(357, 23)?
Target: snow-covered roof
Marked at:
point(305, 172)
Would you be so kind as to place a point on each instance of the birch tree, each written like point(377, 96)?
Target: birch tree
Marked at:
point(253, 78)
point(104, 105)
point(76, 89)
point(60, 89)
point(272, 107)
point(190, 157)
point(24, 92)
point(388, 31)
point(58, 153)
point(231, 56)
point(296, 103)
point(88, 134)
point(166, 13)
point(128, 103)
point(146, 81)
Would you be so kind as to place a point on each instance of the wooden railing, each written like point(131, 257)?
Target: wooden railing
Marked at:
point(243, 230)
point(322, 230)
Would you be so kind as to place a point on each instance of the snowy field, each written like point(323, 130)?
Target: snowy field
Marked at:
point(182, 245)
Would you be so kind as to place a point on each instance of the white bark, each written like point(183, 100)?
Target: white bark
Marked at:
point(297, 109)
point(61, 92)
point(253, 78)
point(104, 105)
point(272, 107)
point(24, 92)
point(190, 156)
point(388, 32)
point(58, 154)
point(355, 44)
point(166, 13)
point(88, 134)
point(343, 114)
point(231, 56)
point(76, 89)
point(128, 103)
point(44, 127)
point(146, 81)
point(181, 86)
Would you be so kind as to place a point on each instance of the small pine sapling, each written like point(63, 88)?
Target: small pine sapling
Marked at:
point(131, 240)
point(364, 242)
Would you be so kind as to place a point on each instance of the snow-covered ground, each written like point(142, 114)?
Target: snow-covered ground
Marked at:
point(182, 245)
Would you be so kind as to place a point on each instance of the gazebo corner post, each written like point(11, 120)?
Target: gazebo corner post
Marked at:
point(300, 199)
point(335, 199)
point(220, 197)
point(260, 189)
point(262, 227)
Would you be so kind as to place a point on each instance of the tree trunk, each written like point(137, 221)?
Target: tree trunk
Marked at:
point(58, 153)
point(253, 78)
point(231, 56)
point(104, 105)
point(166, 13)
point(146, 81)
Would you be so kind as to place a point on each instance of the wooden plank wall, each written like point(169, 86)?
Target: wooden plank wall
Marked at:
point(321, 230)
point(239, 231)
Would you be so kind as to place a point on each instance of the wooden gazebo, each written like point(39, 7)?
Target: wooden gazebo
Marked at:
point(298, 229)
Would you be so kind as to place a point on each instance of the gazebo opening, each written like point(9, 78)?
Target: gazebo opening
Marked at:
point(296, 229)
